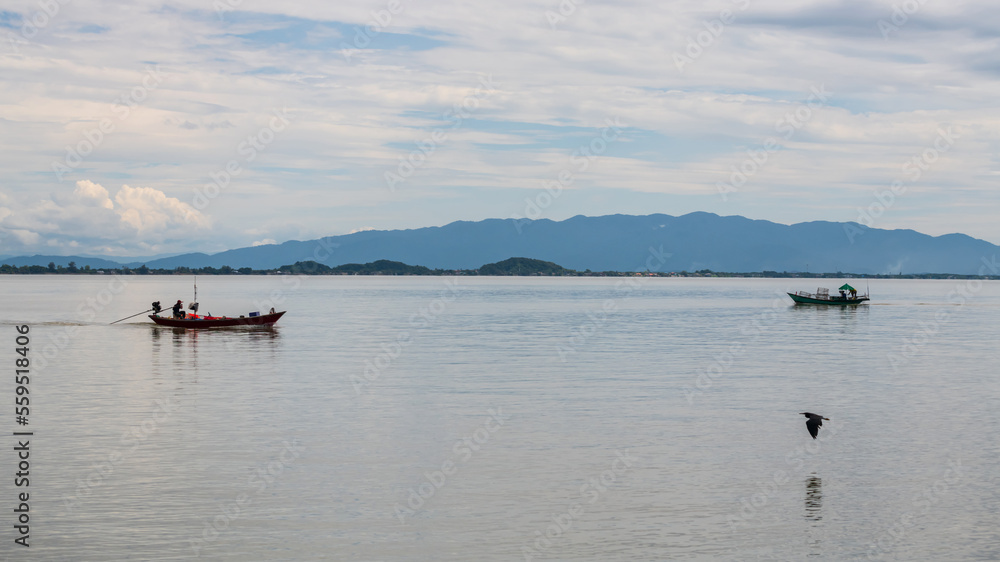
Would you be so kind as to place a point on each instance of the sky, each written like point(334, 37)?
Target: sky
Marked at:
point(146, 128)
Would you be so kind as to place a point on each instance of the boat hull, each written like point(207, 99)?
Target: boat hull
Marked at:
point(832, 301)
point(223, 322)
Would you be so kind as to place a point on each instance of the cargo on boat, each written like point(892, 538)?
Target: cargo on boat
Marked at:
point(182, 319)
point(848, 295)
point(196, 321)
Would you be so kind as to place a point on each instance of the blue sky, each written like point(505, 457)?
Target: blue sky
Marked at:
point(147, 128)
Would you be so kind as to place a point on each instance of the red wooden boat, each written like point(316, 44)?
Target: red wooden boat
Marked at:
point(195, 321)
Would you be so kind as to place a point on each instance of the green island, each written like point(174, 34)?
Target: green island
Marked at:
point(523, 267)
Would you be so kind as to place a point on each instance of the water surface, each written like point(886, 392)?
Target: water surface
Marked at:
point(404, 418)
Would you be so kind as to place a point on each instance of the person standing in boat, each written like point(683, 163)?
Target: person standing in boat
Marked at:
point(178, 309)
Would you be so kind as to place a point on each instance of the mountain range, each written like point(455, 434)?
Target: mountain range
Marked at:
point(691, 242)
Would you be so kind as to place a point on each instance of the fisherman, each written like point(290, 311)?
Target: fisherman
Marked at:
point(854, 293)
point(178, 309)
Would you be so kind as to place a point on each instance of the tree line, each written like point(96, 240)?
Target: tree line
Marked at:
point(509, 267)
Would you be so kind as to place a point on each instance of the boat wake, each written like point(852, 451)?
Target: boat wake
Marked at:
point(56, 323)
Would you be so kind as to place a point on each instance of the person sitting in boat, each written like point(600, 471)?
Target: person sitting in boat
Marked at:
point(843, 295)
point(178, 309)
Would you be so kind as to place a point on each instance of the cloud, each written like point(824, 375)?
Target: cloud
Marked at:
point(88, 219)
point(264, 242)
point(90, 194)
point(355, 118)
point(150, 210)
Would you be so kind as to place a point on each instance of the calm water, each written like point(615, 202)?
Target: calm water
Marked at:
point(507, 419)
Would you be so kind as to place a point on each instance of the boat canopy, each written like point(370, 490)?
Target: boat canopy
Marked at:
point(846, 287)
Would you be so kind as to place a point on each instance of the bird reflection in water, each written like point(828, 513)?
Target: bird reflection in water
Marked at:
point(814, 508)
point(814, 498)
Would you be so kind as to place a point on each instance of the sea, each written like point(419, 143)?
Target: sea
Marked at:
point(489, 418)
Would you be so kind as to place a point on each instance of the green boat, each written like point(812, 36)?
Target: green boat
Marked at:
point(848, 296)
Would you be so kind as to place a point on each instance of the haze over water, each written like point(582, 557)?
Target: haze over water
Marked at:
point(438, 418)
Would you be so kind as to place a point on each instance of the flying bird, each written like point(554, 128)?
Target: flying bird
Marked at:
point(814, 422)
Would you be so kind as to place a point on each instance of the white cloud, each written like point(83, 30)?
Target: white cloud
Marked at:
point(149, 210)
point(141, 219)
point(89, 193)
point(354, 120)
point(264, 242)
point(24, 237)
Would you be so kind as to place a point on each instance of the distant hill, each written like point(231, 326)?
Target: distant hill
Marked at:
point(378, 267)
point(523, 266)
point(512, 266)
point(95, 262)
point(80, 261)
point(695, 241)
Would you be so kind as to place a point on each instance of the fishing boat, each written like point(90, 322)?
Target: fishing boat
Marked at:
point(848, 295)
point(196, 321)
point(180, 319)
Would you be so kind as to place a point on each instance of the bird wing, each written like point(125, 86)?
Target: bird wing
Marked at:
point(812, 424)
